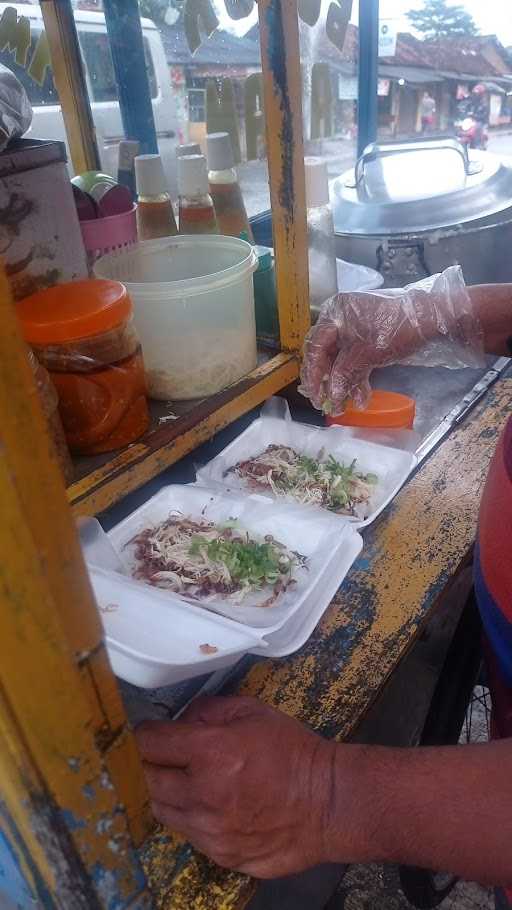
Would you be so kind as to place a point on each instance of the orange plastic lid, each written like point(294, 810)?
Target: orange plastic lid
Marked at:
point(384, 410)
point(69, 312)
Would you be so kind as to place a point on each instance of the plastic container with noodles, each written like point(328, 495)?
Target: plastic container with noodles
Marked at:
point(385, 410)
point(194, 309)
point(83, 334)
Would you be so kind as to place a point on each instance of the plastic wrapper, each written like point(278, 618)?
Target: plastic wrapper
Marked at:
point(15, 108)
point(428, 323)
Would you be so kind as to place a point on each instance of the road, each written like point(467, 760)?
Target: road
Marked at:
point(501, 143)
point(340, 156)
point(338, 153)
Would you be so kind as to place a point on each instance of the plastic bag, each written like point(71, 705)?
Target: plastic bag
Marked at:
point(15, 108)
point(428, 323)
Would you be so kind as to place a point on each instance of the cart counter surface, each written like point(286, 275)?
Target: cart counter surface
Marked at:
point(411, 555)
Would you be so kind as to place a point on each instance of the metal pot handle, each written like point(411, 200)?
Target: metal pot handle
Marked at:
point(402, 261)
point(374, 151)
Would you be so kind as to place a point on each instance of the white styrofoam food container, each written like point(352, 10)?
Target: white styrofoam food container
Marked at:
point(391, 465)
point(154, 636)
point(154, 639)
point(295, 633)
point(314, 534)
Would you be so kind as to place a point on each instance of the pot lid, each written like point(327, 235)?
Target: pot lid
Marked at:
point(407, 187)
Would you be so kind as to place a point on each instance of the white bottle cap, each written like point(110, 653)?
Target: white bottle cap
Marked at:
point(192, 175)
point(188, 148)
point(149, 175)
point(128, 151)
point(220, 152)
point(317, 182)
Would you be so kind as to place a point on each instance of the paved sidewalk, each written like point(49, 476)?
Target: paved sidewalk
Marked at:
point(376, 888)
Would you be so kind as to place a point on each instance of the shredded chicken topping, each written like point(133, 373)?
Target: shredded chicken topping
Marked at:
point(201, 560)
point(319, 481)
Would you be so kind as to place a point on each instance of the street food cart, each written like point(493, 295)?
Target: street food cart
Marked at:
point(76, 829)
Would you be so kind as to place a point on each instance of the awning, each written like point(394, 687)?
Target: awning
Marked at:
point(467, 77)
point(412, 74)
point(494, 88)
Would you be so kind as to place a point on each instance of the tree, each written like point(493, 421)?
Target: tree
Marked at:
point(439, 19)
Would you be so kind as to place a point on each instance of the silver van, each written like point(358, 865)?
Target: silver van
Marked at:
point(92, 33)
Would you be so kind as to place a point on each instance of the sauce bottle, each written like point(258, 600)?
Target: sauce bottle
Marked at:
point(197, 214)
point(155, 217)
point(188, 148)
point(225, 189)
point(323, 279)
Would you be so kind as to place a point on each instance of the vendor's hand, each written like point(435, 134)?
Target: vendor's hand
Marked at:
point(342, 349)
point(356, 332)
point(246, 785)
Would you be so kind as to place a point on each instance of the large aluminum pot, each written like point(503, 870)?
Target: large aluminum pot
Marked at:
point(411, 209)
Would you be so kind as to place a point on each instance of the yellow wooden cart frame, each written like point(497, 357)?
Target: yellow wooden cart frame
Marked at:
point(280, 54)
point(73, 804)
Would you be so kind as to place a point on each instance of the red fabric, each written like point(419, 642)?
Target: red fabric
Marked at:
point(495, 527)
point(495, 551)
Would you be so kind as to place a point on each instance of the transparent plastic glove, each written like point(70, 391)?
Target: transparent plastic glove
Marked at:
point(428, 323)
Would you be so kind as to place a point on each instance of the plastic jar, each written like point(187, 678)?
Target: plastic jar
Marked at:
point(50, 405)
point(83, 334)
point(194, 309)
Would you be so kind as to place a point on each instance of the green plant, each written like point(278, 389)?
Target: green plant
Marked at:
point(439, 19)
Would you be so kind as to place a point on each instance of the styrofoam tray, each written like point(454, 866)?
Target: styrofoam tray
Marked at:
point(154, 639)
point(392, 465)
point(314, 533)
point(295, 633)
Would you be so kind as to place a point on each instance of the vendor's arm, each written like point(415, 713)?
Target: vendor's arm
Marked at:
point(357, 332)
point(493, 305)
point(258, 792)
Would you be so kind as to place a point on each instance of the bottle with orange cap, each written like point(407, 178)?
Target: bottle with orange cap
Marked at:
point(83, 333)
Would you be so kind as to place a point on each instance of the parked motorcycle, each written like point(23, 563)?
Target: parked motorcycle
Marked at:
point(472, 133)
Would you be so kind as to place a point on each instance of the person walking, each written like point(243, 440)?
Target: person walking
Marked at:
point(428, 112)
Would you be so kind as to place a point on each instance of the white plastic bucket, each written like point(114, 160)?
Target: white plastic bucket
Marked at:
point(194, 310)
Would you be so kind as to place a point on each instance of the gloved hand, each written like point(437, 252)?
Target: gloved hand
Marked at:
point(429, 323)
